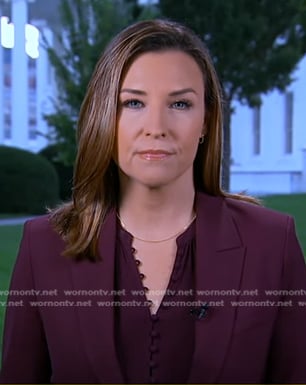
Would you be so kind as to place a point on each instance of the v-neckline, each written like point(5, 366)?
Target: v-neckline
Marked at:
point(181, 241)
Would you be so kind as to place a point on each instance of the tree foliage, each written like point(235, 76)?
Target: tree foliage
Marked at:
point(86, 27)
point(64, 172)
point(255, 45)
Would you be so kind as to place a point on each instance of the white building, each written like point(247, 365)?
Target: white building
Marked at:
point(268, 144)
point(26, 83)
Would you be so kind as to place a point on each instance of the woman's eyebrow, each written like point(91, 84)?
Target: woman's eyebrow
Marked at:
point(133, 91)
point(173, 93)
point(182, 91)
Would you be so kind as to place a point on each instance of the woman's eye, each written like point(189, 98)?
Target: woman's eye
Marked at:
point(181, 105)
point(132, 103)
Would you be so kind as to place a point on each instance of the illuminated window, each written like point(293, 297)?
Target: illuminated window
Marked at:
point(32, 36)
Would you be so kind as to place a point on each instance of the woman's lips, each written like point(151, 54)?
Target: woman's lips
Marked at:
point(154, 154)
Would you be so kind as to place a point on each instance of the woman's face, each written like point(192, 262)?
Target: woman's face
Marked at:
point(160, 119)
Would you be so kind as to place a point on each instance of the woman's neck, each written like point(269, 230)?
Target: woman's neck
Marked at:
point(156, 213)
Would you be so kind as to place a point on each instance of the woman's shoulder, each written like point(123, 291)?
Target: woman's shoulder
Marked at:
point(246, 214)
point(40, 231)
point(242, 209)
point(39, 224)
point(260, 223)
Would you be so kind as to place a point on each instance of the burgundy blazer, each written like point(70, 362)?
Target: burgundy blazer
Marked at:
point(239, 246)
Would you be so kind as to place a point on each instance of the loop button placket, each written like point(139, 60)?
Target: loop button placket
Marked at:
point(154, 348)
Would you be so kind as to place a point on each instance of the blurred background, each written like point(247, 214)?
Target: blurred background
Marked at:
point(48, 49)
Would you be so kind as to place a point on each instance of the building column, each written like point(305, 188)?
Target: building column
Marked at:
point(20, 110)
point(42, 87)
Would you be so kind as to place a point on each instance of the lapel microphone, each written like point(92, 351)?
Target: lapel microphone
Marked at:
point(200, 311)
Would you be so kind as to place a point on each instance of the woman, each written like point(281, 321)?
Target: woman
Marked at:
point(153, 274)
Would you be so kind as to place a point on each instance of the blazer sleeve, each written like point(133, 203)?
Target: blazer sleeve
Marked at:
point(25, 353)
point(287, 359)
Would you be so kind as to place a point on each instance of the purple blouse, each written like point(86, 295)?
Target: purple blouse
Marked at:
point(155, 348)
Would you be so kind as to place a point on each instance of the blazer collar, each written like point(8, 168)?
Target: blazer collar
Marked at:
point(219, 262)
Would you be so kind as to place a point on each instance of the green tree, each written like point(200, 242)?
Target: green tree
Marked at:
point(255, 46)
point(86, 27)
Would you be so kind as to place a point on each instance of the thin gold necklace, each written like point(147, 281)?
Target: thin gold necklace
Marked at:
point(158, 240)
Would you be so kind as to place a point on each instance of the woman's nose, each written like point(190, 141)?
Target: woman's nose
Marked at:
point(155, 124)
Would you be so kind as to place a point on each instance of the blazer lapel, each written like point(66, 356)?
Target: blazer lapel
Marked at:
point(96, 321)
point(218, 268)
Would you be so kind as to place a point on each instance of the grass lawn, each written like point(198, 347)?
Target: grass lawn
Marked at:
point(295, 205)
point(10, 236)
point(9, 240)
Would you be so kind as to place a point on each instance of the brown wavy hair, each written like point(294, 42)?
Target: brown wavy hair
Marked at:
point(96, 182)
